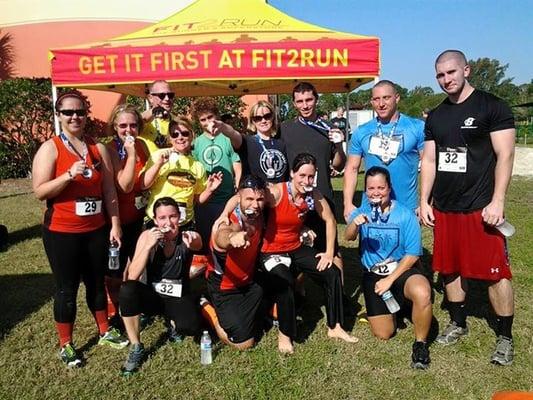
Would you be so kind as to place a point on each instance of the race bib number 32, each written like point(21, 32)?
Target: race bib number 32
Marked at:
point(452, 159)
point(168, 287)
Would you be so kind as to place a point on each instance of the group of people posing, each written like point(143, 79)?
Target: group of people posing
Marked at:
point(257, 210)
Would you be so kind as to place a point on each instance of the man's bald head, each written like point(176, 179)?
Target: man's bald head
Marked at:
point(386, 82)
point(448, 55)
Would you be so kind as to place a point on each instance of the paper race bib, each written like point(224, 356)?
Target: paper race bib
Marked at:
point(386, 148)
point(384, 268)
point(88, 206)
point(452, 159)
point(277, 259)
point(168, 287)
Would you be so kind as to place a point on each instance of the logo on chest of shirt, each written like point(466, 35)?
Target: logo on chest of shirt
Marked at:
point(181, 179)
point(273, 162)
point(212, 155)
point(383, 240)
point(469, 123)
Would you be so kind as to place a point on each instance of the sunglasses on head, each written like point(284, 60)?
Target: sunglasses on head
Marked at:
point(163, 95)
point(259, 118)
point(70, 113)
point(131, 126)
point(176, 132)
point(252, 182)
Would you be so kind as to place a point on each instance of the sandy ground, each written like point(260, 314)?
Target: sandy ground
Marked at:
point(523, 161)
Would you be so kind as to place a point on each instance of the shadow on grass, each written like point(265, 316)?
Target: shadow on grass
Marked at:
point(21, 235)
point(22, 295)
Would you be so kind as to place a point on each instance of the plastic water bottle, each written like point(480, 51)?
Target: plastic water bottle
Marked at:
point(206, 354)
point(306, 239)
point(114, 253)
point(390, 301)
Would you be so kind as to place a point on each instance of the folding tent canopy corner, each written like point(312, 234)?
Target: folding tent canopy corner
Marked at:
point(222, 47)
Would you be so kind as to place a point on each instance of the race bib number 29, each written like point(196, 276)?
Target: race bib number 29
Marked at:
point(452, 159)
point(88, 206)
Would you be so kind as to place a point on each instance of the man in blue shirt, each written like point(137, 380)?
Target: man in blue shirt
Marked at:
point(391, 140)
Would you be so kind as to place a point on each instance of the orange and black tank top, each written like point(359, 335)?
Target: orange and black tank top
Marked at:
point(79, 207)
point(235, 268)
point(132, 205)
point(284, 224)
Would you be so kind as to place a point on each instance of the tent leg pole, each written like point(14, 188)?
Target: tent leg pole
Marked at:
point(54, 99)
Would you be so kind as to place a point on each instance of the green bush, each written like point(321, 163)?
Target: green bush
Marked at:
point(26, 120)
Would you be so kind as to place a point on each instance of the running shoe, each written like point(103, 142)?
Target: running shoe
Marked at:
point(420, 356)
point(173, 336)
point(134, 360)
point(451, 334)
point(504, 351)
point(69, 356)
point(114, 339)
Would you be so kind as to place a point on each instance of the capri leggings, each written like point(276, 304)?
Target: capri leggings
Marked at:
point(279, 284)
point(76, 257)
point(136, 298)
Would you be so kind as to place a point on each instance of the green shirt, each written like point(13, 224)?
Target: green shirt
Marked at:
point(217, 154)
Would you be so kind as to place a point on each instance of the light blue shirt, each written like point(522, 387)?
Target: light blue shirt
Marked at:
point(392, 235)
point(404, 168)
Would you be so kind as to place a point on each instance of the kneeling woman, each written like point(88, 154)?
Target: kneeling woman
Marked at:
point(166, 255)
point(284, 256)
point(390, 245)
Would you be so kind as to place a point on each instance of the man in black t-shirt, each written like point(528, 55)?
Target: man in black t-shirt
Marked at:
point(466, 167)
point(310, 134)
point(342, 123)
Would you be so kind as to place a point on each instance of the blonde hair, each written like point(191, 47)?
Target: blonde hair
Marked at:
point(124, 109)
point(253, 110)
point(181, 120)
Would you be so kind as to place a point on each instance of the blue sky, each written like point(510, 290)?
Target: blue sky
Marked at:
point(414, 32)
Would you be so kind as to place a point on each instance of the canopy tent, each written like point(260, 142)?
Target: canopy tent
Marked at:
point(221, 47)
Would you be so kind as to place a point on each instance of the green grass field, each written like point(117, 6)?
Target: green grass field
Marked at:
point(320, 368)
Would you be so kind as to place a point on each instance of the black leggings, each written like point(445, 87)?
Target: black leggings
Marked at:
point(74, 257)
point(280, 280)
point(136, 298)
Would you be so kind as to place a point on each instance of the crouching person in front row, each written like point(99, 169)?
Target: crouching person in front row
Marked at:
point(390, 246)
point(235, 295)
point(164, 255)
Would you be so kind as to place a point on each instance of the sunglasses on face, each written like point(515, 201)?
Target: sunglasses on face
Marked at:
point(259, 118)
point(131, 126)
point(176, 132)
point(70, 113)
point(162, 96)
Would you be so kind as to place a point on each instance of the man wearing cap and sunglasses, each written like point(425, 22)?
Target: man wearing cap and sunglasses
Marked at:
point(230, 278)
point(157, 117)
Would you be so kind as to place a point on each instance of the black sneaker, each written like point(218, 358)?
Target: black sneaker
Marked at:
point(134, 360)
point(420, 357)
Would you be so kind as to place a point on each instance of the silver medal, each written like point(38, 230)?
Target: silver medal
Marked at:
point(385, 158)
point(87, 173)
point(271, 173)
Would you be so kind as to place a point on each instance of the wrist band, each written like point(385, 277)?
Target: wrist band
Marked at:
point(70, 176)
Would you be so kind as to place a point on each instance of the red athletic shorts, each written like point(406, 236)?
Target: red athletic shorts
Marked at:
point(464, 245)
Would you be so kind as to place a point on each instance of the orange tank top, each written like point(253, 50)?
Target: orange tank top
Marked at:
point(79, 207)
point(132, 205)
point(236, 267)
point(284, 224)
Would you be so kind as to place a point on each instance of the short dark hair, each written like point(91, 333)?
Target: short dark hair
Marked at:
point(304, 87)
point(303, 159)
point(165, 201)
point(373, 171)
point(203, 105)
point(447, 54)
point(252, 182)
point(386, 82)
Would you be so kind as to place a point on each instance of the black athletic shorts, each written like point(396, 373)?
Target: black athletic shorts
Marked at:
point(236, 309)
point(374, 303)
